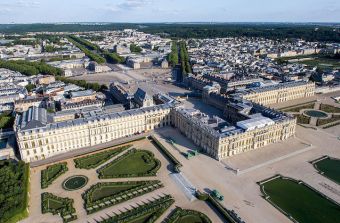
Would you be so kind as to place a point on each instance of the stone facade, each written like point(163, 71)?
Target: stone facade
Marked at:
point(38, 138)
point(280, 93)
point(220, 140)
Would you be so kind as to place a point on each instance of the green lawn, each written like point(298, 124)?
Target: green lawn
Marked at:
point(63, 207)
point(106, 194)
point(145, 213)
point(135, 163)
point(107, 191)
point(180, 215)
point(330, 168)
point(298, 108)
point(94, 160)
point(329, 108)
point(302, 203)
point(51, 173)
point(190, 219)
point(54, 204)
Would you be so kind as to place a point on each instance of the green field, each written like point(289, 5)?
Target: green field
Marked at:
point(94, 160)
point(330, 168)
point(135, 163)
point(299, 201)
point(322, 63)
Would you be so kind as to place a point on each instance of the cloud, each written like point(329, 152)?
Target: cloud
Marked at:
point(129, 5)
point(9, 6)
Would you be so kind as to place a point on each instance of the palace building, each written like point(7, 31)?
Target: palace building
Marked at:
point(40, 135)
point(279, 93)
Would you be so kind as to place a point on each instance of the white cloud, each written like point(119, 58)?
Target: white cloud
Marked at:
point(128, 5)
point(19, 4)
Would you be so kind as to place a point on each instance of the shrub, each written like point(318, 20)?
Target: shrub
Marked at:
point(51, 173)
point(98, 158)
point(140, 188)
point(156, 208)
point(171, 158)
point(65, 210)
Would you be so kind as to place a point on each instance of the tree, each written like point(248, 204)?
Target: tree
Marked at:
point(30, 87)
point(135, 49)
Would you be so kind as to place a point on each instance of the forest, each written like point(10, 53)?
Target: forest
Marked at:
point(13, 190)
point(307, 31)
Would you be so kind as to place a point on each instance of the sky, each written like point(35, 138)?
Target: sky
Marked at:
point(140, 11)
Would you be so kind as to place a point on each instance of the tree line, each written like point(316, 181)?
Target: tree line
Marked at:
point(173, 56)
point(87, 48)
point(184, 59)
point(30, 68)
point(83, 83)
point(308, 32)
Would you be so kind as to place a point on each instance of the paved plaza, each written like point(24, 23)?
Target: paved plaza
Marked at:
point(241, 191)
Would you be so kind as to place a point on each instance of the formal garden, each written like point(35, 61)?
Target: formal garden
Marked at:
point(51, 173)
point(299, 202)
point(14, 186)
point(180, 215)
point(95, 160)
point(58, 206)
point(103, 195)
point(120, 162)
point(328, 167)
point(134, 163)
point(315, 114)
point(145, 213)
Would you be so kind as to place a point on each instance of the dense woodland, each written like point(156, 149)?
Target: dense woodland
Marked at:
point(309, 32)
point(13, 190)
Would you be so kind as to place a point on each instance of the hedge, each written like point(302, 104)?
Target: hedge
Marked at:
point(67, 211)
point(47, 180)
point(156, 208)
point(94, 206)
point(81, 162)
point(159, 146)
point(218, 206)
point(178, 213)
